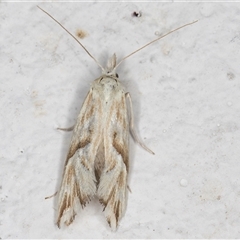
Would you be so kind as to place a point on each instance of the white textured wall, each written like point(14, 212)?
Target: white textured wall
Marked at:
point(186, 97)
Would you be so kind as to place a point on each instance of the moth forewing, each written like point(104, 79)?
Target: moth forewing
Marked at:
point(79, 182)
point(112, 187)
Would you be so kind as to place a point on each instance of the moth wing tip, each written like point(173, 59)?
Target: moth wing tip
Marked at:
point(113, 224)
point(58, 223)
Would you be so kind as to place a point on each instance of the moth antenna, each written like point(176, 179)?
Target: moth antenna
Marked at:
point(73, 37)
point(174, 30)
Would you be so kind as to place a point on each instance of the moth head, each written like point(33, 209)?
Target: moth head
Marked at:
point(110, 69)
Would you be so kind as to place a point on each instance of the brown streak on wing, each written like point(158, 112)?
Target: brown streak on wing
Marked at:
point(99, 162)
point(109, 221)
point(121, 180)
point(116, 210)
point(114, 205)
point(83, 199)
point(70, 175)
point(111, 166)
point(61, 210)
point(89, 113)
point(87, 102)
point(122, 150)
point(119, 115)
point(105, 202)
point(84, 163)
point(75, 147)
point(88, 98)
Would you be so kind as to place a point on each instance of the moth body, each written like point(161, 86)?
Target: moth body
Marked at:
point(97, 161)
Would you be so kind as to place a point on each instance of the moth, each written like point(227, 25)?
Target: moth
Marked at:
point(97, 163)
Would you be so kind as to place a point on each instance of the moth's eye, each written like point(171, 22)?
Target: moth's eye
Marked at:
point(116, 75)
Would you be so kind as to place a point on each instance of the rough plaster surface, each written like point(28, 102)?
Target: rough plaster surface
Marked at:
point(186, 97)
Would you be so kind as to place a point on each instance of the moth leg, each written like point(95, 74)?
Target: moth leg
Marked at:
point(67, 129)
point(132, 129)
point(53, 195)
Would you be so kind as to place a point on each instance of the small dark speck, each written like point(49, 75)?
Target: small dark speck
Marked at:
point(137, 14)
point(230, 75)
